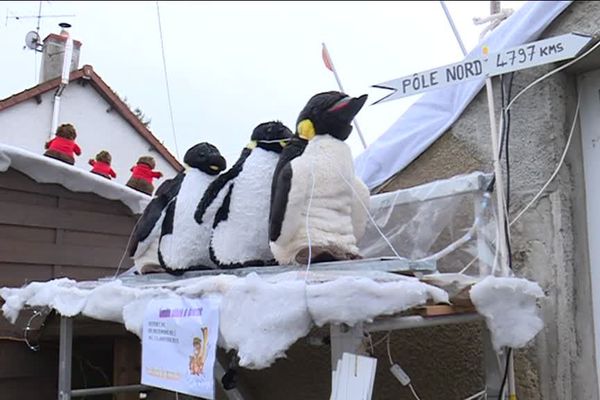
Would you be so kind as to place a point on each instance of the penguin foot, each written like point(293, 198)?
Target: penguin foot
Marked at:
point(321, 254)
point(150, 269)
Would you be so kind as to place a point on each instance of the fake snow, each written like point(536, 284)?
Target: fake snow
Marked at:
point(262, 316)
point(337, 301)
point(510, 309)
point(47, 170)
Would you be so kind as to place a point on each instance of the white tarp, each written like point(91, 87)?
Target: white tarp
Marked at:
point(428, 118)
point(48, 170)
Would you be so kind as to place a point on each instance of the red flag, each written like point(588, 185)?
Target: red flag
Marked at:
point(326, 58)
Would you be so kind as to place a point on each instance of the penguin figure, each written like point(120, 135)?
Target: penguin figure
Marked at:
point(240, 230)
point(183, 243)
point(144, 243)
point(317, 199)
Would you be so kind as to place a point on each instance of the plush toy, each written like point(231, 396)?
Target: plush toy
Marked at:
point(101, 165)
point(317, 198)
point(63, 146)
point(184, 243)
point(240, 231)
point(143, 175)
point(144, 240)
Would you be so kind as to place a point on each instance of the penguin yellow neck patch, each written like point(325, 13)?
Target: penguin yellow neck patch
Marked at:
point(251, 145)
point(306, 129)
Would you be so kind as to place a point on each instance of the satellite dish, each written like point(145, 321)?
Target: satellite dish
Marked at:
point(64, 25)
point(32, 40)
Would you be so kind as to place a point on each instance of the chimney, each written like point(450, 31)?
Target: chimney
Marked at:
point(53, 54)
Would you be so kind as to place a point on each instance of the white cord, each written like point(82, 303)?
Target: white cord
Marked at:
point(383, 339)
point(389, 352)
point(312, 191)
point(541, 78)
point(387, 345)
point(442, 253)
point(369, 214)
point(541, 191)
point(412, 389)
point(562, 159)
point(478, 395)
point(126, 247)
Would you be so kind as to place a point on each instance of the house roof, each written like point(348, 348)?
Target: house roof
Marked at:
point(88, 73)
point(48, 170)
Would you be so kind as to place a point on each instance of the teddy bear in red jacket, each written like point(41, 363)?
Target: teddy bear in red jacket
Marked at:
point(63, 146)
point(101, 165)
point(143, 174)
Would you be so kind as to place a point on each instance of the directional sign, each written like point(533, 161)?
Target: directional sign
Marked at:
point(491, 64)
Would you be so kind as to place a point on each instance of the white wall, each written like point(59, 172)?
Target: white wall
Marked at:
point(27, 125)
point(589, 87)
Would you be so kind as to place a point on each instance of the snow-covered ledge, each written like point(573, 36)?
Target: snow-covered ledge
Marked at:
point(47, 170)
point(262, 316)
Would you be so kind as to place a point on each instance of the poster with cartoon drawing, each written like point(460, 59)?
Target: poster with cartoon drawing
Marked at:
point(179, 341)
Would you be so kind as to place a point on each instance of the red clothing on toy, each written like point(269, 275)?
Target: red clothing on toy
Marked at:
point(64, 146)
point(143, 171)
point(102, 168)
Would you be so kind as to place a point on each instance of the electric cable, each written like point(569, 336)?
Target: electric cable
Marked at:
point(550, 179)
point(164, 60)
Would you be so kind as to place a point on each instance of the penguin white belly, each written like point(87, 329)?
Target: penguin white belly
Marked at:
point(330, 218)
point(244, 235)
point(187, 245)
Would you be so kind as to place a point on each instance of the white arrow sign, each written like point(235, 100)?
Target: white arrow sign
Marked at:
point(525, 56)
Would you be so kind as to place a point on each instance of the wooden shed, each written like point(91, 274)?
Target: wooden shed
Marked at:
point(59, 221)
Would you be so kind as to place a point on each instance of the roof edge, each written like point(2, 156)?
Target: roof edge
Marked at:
point(87, 72)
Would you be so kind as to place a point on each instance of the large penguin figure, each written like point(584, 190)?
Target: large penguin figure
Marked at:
point(240, 230)
point(144, 240)
point(183, 243)
point(318, 205)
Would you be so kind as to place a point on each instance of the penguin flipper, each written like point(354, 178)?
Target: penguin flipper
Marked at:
point(281, 185)
point(153, 211)
point(167, 229)
point(221, 215)
point(218, 184)
point(287, 201)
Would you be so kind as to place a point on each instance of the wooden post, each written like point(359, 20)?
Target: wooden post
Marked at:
point(127, 359)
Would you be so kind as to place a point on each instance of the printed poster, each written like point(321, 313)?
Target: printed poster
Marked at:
point(179, 343)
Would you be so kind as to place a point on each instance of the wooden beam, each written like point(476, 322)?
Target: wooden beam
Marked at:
point(126, 365)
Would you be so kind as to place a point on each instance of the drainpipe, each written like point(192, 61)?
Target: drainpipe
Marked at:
point(66, 71)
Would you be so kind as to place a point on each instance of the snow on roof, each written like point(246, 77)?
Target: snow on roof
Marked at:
point(279, 309)
point(430, 116)
point(47, 170)
point(88, 73)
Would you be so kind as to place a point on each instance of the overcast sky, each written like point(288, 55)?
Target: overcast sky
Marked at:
point(234, 65)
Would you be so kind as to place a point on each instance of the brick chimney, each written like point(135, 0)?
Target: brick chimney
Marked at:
point(54, 52)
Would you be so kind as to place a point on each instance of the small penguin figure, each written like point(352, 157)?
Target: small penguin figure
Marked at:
point(63, 146)
point(240, 230)
point(184, 243)
point(316, 199)
point(101, 165)
point(144, 243)
point(142, 175)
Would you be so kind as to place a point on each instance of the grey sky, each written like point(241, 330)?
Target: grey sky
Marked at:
point(233, 65)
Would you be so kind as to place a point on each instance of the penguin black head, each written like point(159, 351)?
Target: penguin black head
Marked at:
point(205, 157)
point(271, 136)
point(329, 113)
